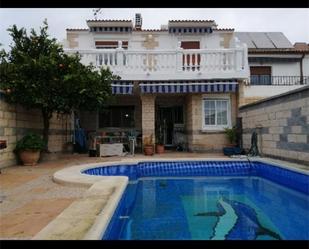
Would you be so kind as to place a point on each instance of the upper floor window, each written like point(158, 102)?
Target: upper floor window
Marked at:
point(260, 75)
point(191, 60)
point(216, 113)
point(190, 44)
point(110, 44)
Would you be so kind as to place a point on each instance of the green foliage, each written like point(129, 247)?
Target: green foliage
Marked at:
point(231, 134)
point(31, 141)
point(148, 140)
point(36, 73)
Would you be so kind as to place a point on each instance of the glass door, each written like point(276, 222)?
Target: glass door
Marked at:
point(166, 118)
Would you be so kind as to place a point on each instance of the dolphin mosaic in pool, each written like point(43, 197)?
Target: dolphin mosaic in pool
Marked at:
point(239, 215)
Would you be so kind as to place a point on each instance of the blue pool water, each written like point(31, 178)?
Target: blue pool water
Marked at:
point(209, 201)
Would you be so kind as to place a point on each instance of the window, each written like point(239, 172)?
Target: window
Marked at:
point(117, 116)
point(110, 44)
point(260, 75)
point(190, 60)
point(216, 113)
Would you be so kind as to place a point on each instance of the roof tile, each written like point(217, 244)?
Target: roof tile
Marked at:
point(191, 21)
point(107, 20)
point(77, 29)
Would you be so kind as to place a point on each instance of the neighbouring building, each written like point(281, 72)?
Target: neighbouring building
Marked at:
point(276, 66)
point(182, 79)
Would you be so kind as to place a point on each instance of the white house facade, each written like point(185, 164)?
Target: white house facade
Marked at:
point(185, 80)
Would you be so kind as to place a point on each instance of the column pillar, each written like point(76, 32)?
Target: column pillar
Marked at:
point(148, 116)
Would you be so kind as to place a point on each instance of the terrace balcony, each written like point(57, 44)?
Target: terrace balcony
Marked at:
point(178, 64)
point(267, 86)
point(266, 80)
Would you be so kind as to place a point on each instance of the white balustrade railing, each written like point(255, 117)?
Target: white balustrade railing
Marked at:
point(225, 62)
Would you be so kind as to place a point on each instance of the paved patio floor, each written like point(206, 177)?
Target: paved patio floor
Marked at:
point(29, 199)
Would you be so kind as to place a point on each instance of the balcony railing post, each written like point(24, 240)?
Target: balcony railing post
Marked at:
point(119, 57)
point(164, 63)
point(276, 80)
point(179, 56)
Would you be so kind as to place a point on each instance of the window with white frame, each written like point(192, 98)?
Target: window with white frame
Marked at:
point(216, 113)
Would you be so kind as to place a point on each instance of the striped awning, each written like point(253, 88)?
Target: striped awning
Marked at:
point(122, 87)
point(188, 87)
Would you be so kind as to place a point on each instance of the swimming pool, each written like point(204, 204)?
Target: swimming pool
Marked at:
point(209, 200)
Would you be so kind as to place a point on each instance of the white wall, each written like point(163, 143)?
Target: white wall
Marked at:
point(306, 65)
point(282, 68)
point(86, 40)
point(267, 91)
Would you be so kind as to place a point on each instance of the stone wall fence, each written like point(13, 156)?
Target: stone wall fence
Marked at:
point(282, 124)
point(16, 121)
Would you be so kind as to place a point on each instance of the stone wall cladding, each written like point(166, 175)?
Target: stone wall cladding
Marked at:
point(197, 139)
point(15, 122)
point(282, 123)
point(205, 141)
point(148, 115)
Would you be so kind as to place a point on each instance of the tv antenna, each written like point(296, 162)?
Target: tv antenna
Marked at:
point(96, 12)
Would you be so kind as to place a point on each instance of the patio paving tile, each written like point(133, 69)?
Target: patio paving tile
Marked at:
point(32, 217)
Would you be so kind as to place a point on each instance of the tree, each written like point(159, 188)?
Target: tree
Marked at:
point(36, 73)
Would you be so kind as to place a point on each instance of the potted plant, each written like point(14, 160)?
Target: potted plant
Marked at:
point(148, 146)
point(231, 135)
point(160, 141)
point(29, 148)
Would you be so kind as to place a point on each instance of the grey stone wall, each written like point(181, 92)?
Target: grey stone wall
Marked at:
point(282, 123)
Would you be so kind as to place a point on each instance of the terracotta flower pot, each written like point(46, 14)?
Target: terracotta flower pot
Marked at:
point(148, 150)
point(29, 157)
point(160, 148)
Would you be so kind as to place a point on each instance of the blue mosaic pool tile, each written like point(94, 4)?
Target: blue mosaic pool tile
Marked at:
point(286, 177)
point(166, 228)
point(289, 178)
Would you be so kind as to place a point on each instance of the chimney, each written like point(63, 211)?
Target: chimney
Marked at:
point(164, 26)
point(138, 21)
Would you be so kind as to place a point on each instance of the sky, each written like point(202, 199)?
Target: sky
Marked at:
point(294, 23)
